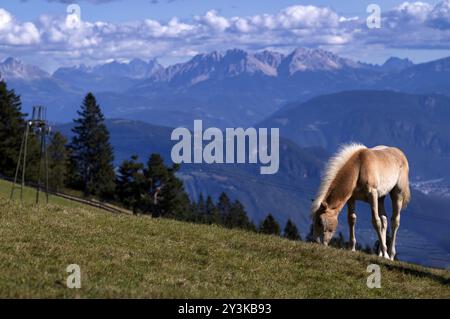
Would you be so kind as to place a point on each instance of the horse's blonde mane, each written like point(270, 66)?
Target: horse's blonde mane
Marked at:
point(333, 166)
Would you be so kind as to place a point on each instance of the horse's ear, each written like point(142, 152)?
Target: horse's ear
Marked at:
point(324, 206)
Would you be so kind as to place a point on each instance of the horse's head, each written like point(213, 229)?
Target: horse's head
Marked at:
point(325, 223)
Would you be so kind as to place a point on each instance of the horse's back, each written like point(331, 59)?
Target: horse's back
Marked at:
point(383, 167)
point(387, 155)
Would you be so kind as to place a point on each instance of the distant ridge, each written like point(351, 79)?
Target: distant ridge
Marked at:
point(229, 63)
point(225, 89)
point(14, 68)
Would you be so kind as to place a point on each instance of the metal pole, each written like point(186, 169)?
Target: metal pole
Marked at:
point(34, 113)
point(16, 175)
point(38, 189)
point(24, 161)
point(46, 167)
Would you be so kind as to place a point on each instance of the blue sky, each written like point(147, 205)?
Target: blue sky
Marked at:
point(174, 30)
point(120, 11)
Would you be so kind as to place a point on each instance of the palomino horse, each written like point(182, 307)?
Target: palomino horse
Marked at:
point(367, 174)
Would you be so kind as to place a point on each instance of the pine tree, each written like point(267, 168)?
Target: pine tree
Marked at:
point(291, 231)
point(12, 126)
point(236, 217)
point(91, 152)
point(270, 226)
point(57, 161)
point(212, 212)
point(195, 213)
point(166, 191)
point(201, 208)
point(131, 184)
point(175, 201)
point(223, 207)
point(12, 129)
point(156, 175)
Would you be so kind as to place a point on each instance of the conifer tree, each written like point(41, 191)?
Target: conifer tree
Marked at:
point(201, 209)
point(236, 217)
point(12, 126)
point(195, 213)
point(57, 161)
point(131, 184)
point(212, 212)
point(91, 152)
point(291, 231)
point(175, 201)
point(166, 193)
point(156, 175)
point(270, 226)
point(223, 207)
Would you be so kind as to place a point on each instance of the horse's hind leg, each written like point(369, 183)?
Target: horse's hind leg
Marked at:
point(384, 223)
point(351, 215)
point(376, 221)
point(397, 201)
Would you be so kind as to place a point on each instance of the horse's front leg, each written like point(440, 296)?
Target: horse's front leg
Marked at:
point(376, 221)
point(351, 216)
point(395, 221)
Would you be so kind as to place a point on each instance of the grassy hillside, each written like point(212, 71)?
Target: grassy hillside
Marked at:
point(127, 256)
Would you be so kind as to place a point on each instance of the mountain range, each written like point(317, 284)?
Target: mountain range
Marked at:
point(234, 88)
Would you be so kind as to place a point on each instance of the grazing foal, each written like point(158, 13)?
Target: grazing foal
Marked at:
point(366, 174)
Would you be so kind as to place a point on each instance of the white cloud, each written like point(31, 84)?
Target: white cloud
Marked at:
point(307, 17)
point(15, 33)
point(5, 19)
point(290, 18)
point(439, 17)
point(415, 11)
point(174, 28)
point(212, 20)
point(410, 24)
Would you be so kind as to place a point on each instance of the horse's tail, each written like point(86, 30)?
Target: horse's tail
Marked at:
point(406, 197)
point(404, 184)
